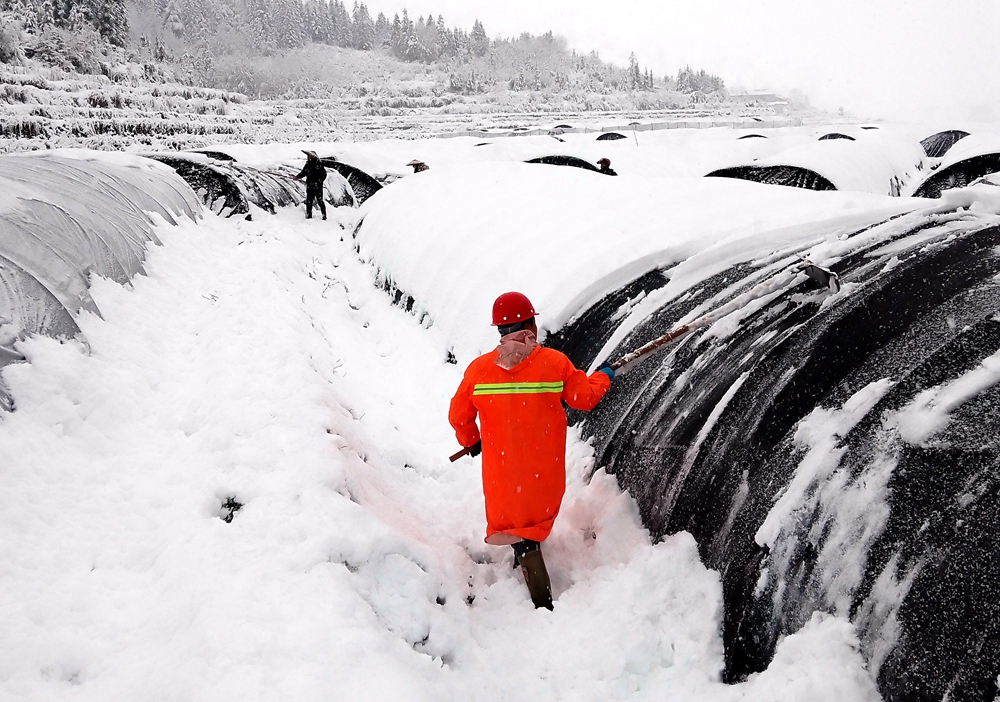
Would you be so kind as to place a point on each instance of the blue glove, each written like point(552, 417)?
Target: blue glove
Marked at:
point(607, 370)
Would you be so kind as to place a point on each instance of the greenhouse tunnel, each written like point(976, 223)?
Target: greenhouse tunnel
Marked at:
point(228, 187)
point(937, 145)
point(836, 135)
point(829, 453)
point(611, 136)
point(792, 176)
point(362, 184)
point(959, 174)
point(217, 155)
point(560, 160)
point(64, 219)
point(876, 163)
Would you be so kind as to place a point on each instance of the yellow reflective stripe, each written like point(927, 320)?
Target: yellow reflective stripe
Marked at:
point(516, 388)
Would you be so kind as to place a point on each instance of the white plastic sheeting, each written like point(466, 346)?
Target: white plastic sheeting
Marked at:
point(27, 305)
point(65, 215)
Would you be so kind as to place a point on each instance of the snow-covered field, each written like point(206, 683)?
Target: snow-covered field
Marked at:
point(258, 360)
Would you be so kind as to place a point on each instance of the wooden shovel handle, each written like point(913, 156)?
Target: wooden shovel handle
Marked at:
point(455, 456)
point(651, 346)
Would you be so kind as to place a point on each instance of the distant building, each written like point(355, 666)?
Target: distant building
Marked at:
point(763, 98)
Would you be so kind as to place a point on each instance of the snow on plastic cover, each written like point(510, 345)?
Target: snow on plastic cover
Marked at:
point(968, 159)
point(65, 215)
point(455, 238)
point(869, 162)
point(228, 187)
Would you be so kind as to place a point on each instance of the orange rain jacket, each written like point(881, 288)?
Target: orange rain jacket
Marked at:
point(524, 435)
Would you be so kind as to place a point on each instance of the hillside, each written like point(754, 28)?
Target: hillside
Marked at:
point(184, 74)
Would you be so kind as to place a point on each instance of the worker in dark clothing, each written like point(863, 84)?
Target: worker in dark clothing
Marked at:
point(606, 169)
point(315, 174)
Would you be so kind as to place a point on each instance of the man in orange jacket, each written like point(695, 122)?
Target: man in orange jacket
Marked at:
point(517, 391)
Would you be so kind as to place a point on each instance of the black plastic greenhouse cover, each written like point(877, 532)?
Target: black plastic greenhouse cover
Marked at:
point(565, 161)
point(793, 176)
point(937, 145)
point(959, 175)
point(835, 135)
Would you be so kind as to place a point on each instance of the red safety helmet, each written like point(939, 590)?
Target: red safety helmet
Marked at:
point(512, 307)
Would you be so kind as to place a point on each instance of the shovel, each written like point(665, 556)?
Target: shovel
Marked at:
point(823, 276)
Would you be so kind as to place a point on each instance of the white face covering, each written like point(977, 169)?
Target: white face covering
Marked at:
point(514, 348)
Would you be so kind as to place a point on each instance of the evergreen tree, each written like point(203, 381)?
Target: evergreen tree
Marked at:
point(259, 24)
point(172, 19)
point(364, 29)
point(290, 31)
point(480, 42)
point(382, 30)
point(396, 32)
point(633, 77)
point(407, 47)
point(340, 24)
point(428, 40)
point(689, 82)
point(317, 25)
point(110, 19)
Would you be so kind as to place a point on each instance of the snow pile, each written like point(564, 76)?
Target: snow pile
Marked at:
point(257, 364)
point(455, 238)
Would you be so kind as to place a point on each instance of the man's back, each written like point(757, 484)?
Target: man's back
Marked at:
point(314, 172)
point(523, 433)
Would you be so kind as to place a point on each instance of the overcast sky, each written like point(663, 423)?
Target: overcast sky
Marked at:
point(918, 60)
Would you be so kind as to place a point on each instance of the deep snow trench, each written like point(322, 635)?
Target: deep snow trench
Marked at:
point(258, 361)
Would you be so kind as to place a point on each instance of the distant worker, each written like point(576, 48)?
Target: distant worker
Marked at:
point(605, 164)
point(418, 166)
point(517, 390)
point(315, 174)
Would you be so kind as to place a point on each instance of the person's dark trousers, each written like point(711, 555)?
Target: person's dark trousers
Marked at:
point(528, 555)
point(315, 192)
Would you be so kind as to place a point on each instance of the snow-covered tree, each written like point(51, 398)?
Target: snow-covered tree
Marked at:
point(383, 30)
point(480, 42)
point(340, 19)
point(108, 17)
point(363, 35)
point(689, 81)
